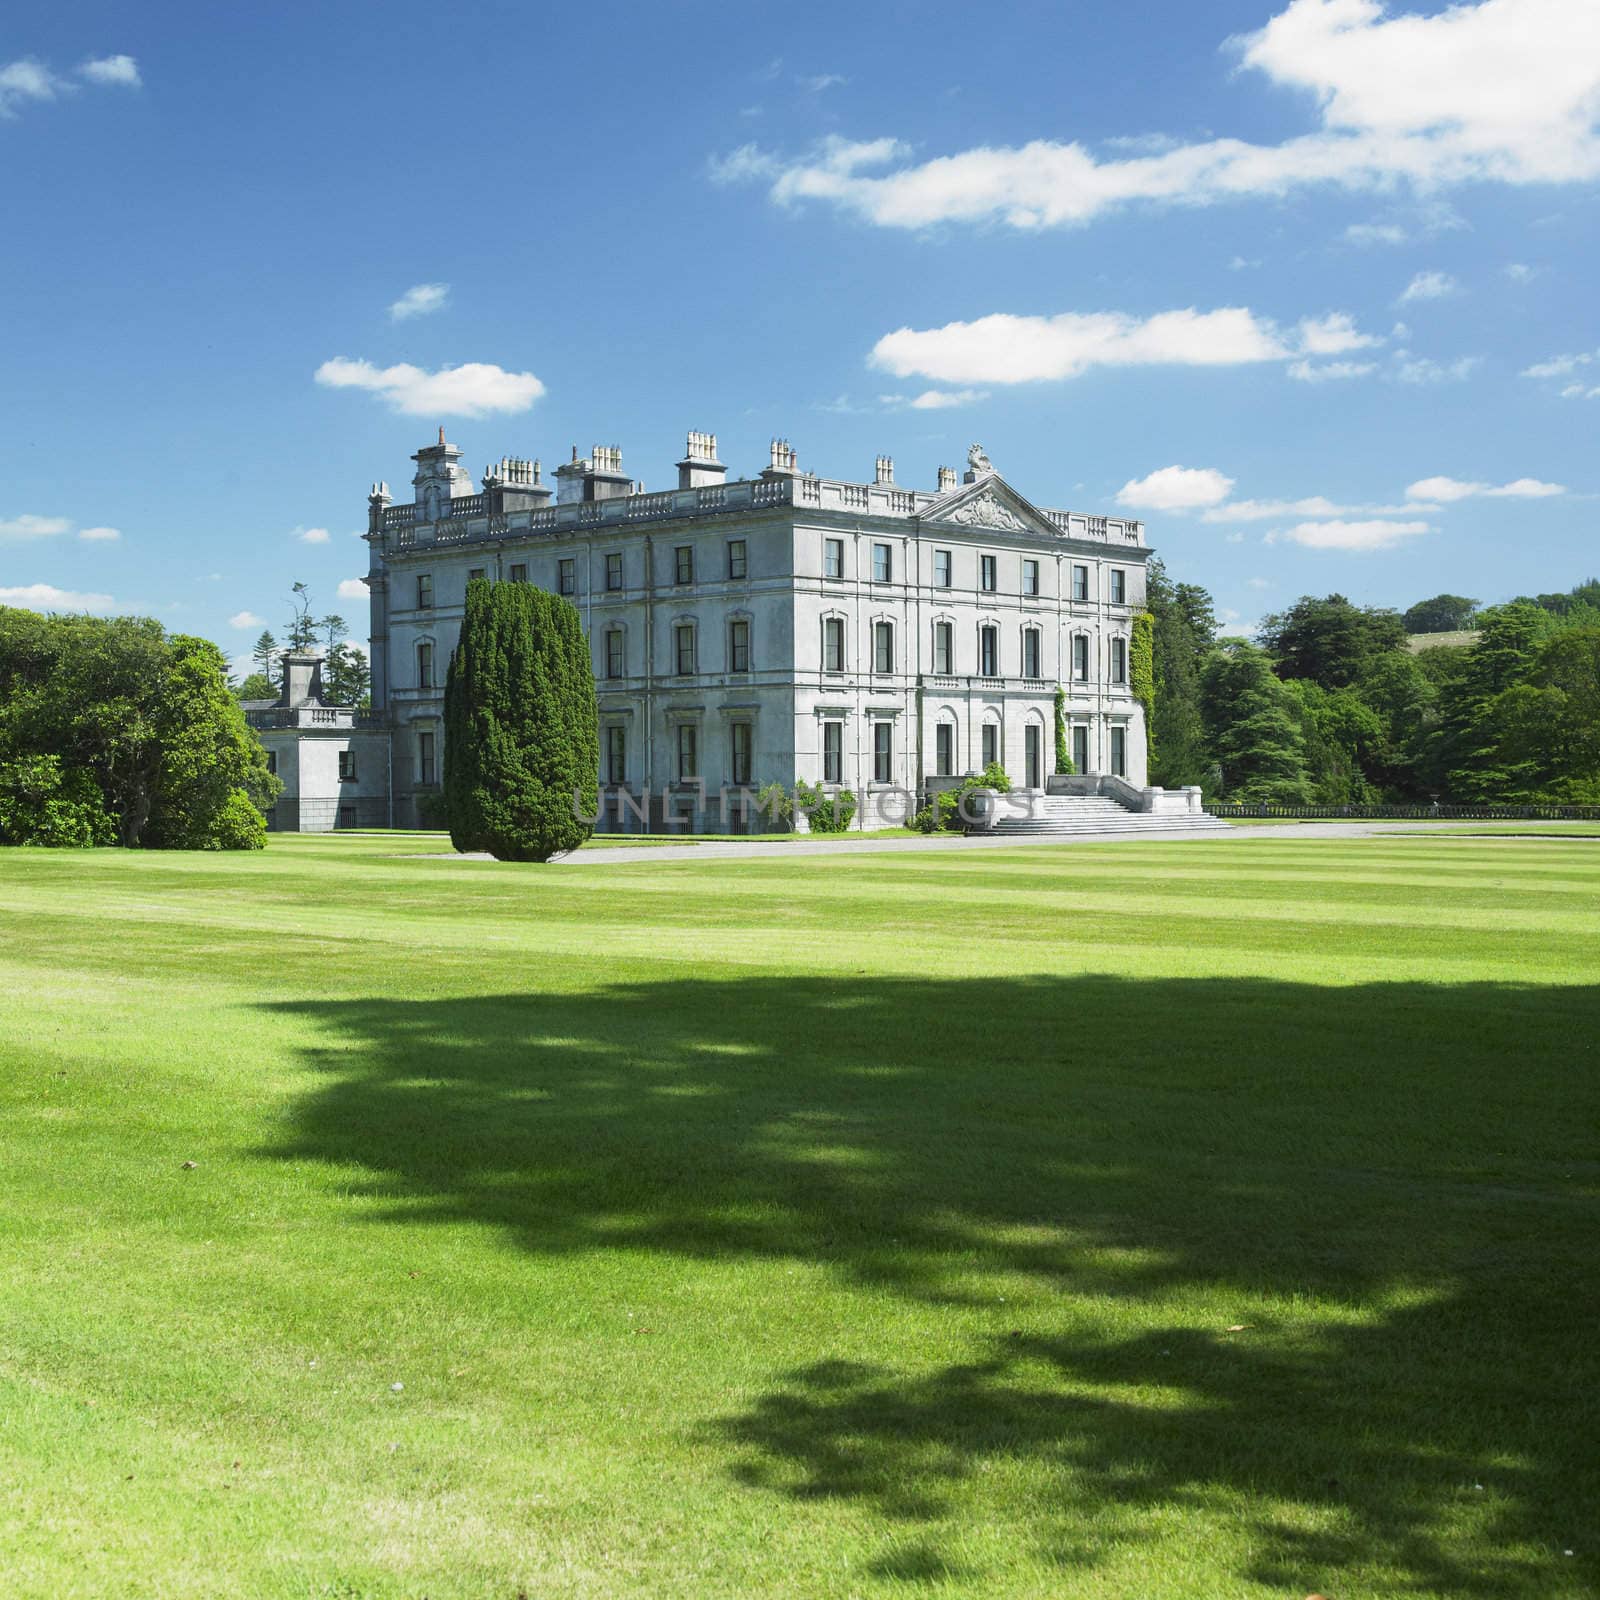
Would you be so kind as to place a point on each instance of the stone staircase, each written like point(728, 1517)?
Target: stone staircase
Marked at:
point(1065, 816)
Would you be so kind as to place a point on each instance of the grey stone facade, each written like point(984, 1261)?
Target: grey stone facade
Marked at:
point(777, 628)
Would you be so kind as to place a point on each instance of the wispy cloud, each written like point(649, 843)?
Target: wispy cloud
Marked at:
point(1329, 371)
point(1409, 368)
point(29, 526)
point(1375, 233)
point(29, 81)
point(474, 389)
point(311, 535)
point(419, 300)
point(1340, 535)
point(1503, 91)
point(120, 70)
point(46, 597)
point(1446, 491)
point(100, 535)
point(822, 81)
point(1428, 286)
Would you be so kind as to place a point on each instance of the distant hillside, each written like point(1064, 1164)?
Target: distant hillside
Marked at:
point(1416, 643)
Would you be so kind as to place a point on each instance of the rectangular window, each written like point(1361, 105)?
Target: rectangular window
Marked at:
point(991, 744)
point(347, 817)
point(833, 644)
point(566, 576)
point(1030, 653)
point(882, 563)
point(1080, 583)
point(883, 647)
point(1080, 657)
point(1080, 749)
point(683, 635)
point(988, 652)
point(683, 564)
point(424, 591)
point(1030, 577)
point(1119, 587)
point(688, 751)
point(614, 649)
point(739, 733)
point(833, 752)
point(616, 754)
point(944, 749)
point(519, 573)
point(988, 573)
point(944, 652)
point(941, 569)
point(474, 573)
point(424, 758)
point(833, 558)
point(738, 562)
point(272, 761)
point(347, 766)
point(738, 647)
point(1031, 754)
point(614, 570)
point(1119, 752)
point(1119, 660)
point(424, 666)
point(882, 752)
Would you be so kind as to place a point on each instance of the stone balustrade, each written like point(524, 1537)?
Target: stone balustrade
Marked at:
point(467, 516)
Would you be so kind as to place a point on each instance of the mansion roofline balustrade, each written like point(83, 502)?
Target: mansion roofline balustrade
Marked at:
point(314, 717)
point(469, 517)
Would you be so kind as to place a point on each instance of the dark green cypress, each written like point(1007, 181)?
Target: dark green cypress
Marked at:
point(521, 733)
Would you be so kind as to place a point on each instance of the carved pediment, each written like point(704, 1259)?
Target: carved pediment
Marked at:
point(986, 510)
point(991, 502)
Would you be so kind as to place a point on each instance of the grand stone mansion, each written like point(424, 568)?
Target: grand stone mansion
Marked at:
point(784, 627)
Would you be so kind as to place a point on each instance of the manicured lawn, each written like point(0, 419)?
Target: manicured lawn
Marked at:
point(1171, 1220)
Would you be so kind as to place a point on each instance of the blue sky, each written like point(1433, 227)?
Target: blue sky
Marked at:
point(1308, 283)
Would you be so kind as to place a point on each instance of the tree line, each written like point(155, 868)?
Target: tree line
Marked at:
point(1333, 707)
point(346, 676)
point(113, 731)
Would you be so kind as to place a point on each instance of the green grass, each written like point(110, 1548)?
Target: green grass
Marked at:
point(1155, 1220)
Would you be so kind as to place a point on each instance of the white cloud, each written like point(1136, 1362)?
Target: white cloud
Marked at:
point(246, 619)
point(473, 389)
point(748, 162)
point(1333, 335)
point(1243, 263)
point(1234, 538)
point(1366, 233)
point(944, 399)
point(1519, 271)
point(1176, 489)
point(1330, 371)
point(352, 589)
point(123, 70)
point(1428, 286)
point(311, 535)
point(1503, 91)
point(46, 597)
point(27, 80)
point(1002, 348)
point(1258, 583)
point(1340, 535)
point(100, 535)
point(823, 80)
point(1447, 491)
point(28, 526)
point(1421, 369)
point(1560, 366)
point(1315, 505)
point(419, 300)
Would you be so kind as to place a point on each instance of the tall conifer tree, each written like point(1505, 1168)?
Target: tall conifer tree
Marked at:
point(522, 742)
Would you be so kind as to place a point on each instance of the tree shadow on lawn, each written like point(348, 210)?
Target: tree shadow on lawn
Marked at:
point(1393, 1182)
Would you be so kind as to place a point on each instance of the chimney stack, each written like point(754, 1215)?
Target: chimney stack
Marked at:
point(885, 470)
point(700, 466)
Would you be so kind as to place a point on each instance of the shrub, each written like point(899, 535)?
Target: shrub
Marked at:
point(1063, 755)
point(237, 825)
point(777, 803)
point(44, 803)
point(829, 810)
